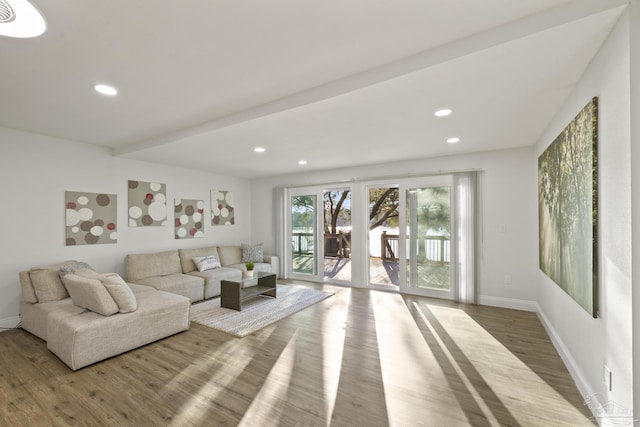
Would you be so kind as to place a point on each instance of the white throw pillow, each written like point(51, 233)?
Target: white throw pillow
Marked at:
point(204, 263)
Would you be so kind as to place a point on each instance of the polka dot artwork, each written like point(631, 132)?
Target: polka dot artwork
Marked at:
point(147, 204)
point(222, 208)
point(90, 218)
point(188, 218)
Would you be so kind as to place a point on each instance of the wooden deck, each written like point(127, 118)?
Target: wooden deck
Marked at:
point(382, 272)
point(385, 273)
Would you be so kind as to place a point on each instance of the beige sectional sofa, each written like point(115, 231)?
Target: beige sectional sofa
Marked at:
point(175, 271)
point(86, 317)
point(80, 336)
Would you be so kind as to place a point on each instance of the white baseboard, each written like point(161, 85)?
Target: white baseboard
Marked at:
point(9, 323)
point(584, 389)
point(516, 304)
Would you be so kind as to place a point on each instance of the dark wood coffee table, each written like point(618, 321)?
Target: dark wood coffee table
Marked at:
point(234, 293)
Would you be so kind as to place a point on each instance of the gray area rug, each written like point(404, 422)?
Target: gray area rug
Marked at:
point(257, 312)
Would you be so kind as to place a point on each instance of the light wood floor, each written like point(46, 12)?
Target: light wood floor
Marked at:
point(361, 358)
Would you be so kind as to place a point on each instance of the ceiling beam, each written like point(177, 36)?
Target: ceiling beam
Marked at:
point(529, 25)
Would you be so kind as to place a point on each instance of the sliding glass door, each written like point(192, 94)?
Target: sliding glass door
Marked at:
point(337, 234)
point(383, 234)
point(303, 253)
point(320, 230)
point(414, 235)
point(427, 233)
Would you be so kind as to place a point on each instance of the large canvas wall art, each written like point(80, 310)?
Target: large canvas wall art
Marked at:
point(222, 208)
point(147, 204)
point(90, 218)
point(568, 208)
point(189, 222)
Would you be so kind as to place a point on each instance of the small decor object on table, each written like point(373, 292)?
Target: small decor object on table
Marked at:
point(250, 265)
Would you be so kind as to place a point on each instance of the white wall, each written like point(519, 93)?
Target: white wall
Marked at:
point(587, 343)
point(635, 194)
point(35, 171)
point(509, 198)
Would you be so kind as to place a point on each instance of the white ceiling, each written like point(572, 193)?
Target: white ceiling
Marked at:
point(337, 82)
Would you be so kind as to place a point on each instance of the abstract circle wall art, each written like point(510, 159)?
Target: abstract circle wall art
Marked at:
point(147, 204)
point(189, 218)
point(91, 218)
point(222, 208)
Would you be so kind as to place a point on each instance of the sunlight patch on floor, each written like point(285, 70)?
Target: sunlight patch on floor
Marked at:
point(408, 348)
point(469, 386)
point(508, 377)
point(267, 407)
point(224, 366)
point(472, 377)
point(333, 347)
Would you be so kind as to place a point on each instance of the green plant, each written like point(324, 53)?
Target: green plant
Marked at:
point(249, 265)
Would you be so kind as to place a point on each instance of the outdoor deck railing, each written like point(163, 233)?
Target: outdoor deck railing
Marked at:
point(303, 243)
point(436, 248)
point(335, 245)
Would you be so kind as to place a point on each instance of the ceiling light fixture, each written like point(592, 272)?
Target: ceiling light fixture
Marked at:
point(302, 162)
point(105, 89)
point(443, 112)
point(20, 19)
point(259, 149)
point(453, 140)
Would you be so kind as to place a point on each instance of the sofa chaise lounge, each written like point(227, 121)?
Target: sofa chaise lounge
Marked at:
point(78, 334)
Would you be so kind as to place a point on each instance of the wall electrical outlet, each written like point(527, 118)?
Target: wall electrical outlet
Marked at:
point(608, 378)
point(507, 279)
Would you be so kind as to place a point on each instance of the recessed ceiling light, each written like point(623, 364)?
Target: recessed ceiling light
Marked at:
point(302, 162)
point(19, 18)
point(259, 149)
point(453, 140)
point(443, 112)
point(105, 89)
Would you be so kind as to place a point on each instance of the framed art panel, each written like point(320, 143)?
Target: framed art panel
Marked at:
point(189, 218)
point(568, 209)
point(147, 204)
point(222, 208)
point(90, 218)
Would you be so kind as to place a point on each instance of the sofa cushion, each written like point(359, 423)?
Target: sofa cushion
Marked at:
point(204, 263)
point(229, 255)
point(252, 253)
point(120, 292)
point(89, 273)
point(140, 266)
point(181, 284)
point(47, 284)
point(35, 317)
point(90, 294)
point(212, 279)
point(28, 293)
point(186, 257)
point(88, 337)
